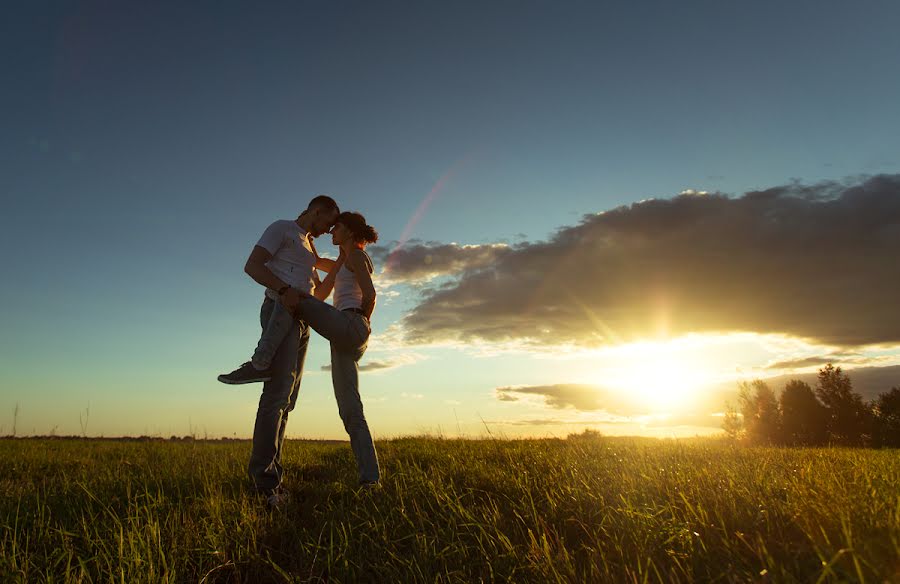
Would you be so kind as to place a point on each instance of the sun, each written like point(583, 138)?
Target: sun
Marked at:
point(658, 375)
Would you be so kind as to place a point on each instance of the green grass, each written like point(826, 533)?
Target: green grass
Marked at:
point(586, 509)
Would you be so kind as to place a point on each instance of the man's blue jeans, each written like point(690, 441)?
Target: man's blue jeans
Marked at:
point(279, 395)
point(348, 333)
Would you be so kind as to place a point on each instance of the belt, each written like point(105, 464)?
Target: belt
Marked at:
point(358, 311)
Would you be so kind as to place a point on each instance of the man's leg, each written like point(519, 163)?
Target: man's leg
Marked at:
point(278, 398)
point(345, 377)
point(275, 330)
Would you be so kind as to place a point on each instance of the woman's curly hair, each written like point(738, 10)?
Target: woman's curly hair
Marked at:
point(356, 223)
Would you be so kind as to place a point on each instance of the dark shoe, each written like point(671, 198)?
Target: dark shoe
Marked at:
point(246, 373)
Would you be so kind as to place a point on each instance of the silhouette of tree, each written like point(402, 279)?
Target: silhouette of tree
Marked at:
point(848, 417)
point(803, 419)
point(887, 419)
point(732, 423)
point(759, 407)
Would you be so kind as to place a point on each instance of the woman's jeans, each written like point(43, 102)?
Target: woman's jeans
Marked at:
point(349, 334)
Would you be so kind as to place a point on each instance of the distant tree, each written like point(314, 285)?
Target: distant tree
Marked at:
point(887, 419)
point(759, 408)
point(803, 419)
point(732, 423)
point(848, 417)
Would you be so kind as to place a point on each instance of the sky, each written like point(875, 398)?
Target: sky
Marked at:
point(591, 215)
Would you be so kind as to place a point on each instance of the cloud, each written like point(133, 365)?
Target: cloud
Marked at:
point(371, 366)
point(869, 382)
point(397, 356)
point(835, 358)
point(418, 262)
point(816, 262)
point(553, 422)
point(698, 420)
point(507, 394)
point(583, 397)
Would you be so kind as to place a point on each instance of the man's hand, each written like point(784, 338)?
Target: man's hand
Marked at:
point(290, 299)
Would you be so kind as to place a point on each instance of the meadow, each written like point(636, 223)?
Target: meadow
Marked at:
point(583, 509)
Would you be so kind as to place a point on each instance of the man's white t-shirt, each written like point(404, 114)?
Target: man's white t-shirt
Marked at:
point(292, 257)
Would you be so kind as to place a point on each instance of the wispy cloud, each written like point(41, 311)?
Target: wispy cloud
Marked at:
point(583, 397)
point(818, 361)
point(553, 422)
point(403, 358)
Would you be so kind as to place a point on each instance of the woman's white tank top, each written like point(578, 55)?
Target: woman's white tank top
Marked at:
point(347, 293)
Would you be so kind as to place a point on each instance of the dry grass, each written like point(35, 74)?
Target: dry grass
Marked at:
point(583, 509)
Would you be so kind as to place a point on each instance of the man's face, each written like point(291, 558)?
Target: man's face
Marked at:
point(323, 221)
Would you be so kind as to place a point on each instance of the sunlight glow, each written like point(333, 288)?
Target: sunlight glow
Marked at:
point(660, 375)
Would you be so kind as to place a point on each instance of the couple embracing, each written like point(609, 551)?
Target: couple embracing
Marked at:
point(285, 261)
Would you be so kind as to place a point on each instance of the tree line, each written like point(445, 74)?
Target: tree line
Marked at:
point(829, 414)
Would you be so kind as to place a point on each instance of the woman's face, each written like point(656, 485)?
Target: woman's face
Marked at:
point(340, 234)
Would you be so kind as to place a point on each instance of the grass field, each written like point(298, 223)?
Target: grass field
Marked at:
point(585, 509)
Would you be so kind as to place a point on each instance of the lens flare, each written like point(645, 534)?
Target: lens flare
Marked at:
point(423, 208)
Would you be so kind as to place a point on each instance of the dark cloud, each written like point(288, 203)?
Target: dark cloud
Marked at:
point(417, 262)
point(816, 262)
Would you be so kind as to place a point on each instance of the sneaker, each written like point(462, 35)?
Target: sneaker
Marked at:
point(246, 373)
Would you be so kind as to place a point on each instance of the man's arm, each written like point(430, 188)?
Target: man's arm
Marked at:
point(256, 269)
point(357, 263)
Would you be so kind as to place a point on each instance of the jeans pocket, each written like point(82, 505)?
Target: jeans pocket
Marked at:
point(361, 330)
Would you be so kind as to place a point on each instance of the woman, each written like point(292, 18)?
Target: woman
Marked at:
point(346, 324)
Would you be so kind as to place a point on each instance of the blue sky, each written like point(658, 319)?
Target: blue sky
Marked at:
point(146, 146)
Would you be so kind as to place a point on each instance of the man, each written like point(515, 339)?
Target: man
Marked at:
point(283, 261)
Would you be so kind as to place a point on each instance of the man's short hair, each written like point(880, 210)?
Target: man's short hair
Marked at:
point(323, 202)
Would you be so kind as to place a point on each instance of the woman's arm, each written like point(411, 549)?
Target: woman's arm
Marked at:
point(358, 263)
point(324, 264)
point(325, 288)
